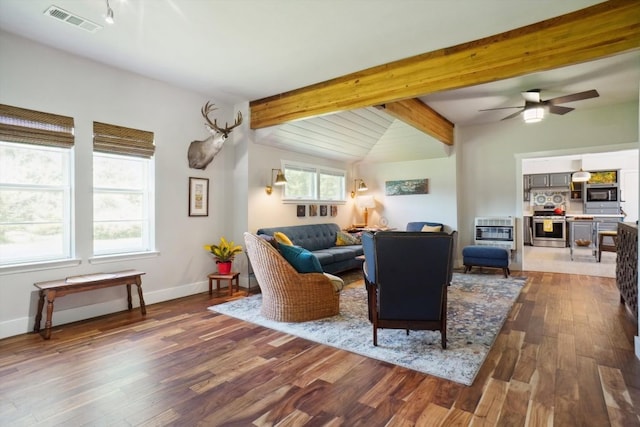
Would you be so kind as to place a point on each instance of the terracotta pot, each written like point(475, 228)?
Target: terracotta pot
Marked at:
point(224, 267)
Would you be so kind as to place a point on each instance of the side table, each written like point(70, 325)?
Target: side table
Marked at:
point(230, 277)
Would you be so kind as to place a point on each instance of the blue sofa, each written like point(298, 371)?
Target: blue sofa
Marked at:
point(321, 240)
point(417, 225)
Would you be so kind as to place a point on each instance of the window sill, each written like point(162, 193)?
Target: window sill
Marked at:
point(38, 266)
point(103, 259)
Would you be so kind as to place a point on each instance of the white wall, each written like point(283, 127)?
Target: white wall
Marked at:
point(269, 210)
point(41, 78)
point(490, 156)
point(482, 177)
point(439, 205)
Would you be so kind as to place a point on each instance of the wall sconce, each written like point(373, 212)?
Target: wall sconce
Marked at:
point(280, 180)
point(361, 186)
point(366, 202)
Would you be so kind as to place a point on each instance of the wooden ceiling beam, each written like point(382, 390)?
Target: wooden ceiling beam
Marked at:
point(422, 117)
point(602, 30)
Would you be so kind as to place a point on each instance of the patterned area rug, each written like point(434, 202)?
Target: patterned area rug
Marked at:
point(478, 306)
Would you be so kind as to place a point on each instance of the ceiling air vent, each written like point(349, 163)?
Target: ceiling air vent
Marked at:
point(71, 19)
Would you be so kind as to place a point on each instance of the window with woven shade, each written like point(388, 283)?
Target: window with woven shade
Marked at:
point(36, 153)
point(122, 140)
point(122, 190)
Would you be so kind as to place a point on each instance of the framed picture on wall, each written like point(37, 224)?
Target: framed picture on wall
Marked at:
point(313, 210)
point(198, 196)
point(334, 210)
point(323, 210)
point(301, 210)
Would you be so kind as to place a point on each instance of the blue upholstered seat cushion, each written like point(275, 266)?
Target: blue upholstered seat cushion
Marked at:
point(487, 256)
point(300, 258)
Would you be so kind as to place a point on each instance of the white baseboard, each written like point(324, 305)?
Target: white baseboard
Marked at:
point(24, 325)
point(637, 340)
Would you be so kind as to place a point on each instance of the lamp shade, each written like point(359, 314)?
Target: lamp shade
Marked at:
point(280, 179)
point(366, 202)
point(580, 176)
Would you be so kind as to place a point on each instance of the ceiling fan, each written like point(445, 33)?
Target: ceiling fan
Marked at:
point(533, 103)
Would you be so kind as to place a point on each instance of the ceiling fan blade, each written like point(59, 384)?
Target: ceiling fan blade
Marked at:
point(574, 97)
point(511, 116)
point(558, 109)
point(501, 108)
point(532, 95)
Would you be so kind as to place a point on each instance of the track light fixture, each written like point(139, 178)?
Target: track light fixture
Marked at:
point(109, 17)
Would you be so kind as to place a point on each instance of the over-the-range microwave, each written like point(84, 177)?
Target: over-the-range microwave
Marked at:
point(602, 193)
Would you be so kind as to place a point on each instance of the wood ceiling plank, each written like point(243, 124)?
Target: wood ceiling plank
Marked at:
point(602, 30)
point(422, 117)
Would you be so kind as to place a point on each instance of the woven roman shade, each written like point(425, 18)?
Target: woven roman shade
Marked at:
point(35, 127)
point(121, 140)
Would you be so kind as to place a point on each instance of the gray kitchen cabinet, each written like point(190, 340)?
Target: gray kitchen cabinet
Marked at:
point(604, 208)
point(526, 230)
point(608, 224)
point(526, 187)
point(539, 180)
point(559, 179)
point(582, 231)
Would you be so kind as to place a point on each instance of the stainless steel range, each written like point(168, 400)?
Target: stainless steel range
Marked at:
point(549, 227)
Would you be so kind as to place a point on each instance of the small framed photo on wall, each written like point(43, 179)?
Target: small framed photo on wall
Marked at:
point(301, 210)
point(313, 210)
point(323, 210)
point(198, 196)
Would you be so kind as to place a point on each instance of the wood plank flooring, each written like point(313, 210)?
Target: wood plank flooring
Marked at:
point(564, 358)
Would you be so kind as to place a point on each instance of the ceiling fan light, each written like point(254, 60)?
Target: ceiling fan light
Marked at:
point(581, 176)
point(533, 115)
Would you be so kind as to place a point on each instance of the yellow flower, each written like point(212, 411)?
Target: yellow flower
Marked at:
point(224, 251)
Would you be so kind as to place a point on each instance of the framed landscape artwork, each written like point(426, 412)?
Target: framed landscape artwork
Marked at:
point(406, 187)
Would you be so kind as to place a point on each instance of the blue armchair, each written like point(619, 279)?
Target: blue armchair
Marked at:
point(406, 275)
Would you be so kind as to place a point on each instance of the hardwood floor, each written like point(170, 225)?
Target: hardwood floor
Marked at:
point(564, 357)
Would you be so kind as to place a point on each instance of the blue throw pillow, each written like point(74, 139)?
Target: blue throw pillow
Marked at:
point(301, 259)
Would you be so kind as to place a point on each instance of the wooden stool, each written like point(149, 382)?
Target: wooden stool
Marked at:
point(230, 277)
point(606, 247)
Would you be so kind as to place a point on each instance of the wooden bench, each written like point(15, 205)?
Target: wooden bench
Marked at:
point(71, 285)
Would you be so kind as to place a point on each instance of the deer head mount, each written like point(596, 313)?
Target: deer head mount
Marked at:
point(201, 153)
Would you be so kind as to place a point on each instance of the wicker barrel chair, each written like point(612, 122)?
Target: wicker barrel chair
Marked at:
point(289, 296)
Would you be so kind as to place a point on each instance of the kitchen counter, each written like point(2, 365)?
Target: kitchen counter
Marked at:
point(572, 216)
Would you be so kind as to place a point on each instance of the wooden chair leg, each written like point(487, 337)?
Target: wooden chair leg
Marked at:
point(375, 335)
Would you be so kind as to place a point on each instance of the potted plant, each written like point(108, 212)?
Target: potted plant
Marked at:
point(224, 253)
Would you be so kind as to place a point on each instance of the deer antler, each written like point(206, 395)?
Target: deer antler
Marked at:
point(208, 107)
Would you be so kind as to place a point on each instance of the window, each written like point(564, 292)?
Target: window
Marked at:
point(122, 190)
point(313, 183)
point(35, 186)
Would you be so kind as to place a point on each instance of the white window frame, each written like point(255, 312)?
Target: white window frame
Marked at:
point(317, 171)
point(148, 215)
point(67, 221)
